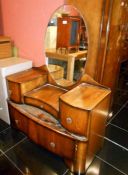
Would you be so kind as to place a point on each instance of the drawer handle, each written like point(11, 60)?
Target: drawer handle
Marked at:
point(122, 3)
point(69, 120)
point(52, 144)
point(17, 121)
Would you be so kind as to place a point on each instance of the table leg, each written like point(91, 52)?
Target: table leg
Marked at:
point(70, 68)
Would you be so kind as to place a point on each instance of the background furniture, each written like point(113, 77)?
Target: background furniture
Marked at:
point(9, 66)
point(68, 57)
point(5, 47)
point(70, 37)
point(56, 71)
point(50, 38)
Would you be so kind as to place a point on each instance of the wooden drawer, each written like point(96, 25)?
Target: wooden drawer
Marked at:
point(74, 119)
point(43, 131)
point(77, 105)
point(25, 81)
point(56, 143)
point(42, 105)
point(18, 120)
point(45, 97)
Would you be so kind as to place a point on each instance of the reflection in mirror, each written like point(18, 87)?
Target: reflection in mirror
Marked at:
point(66, 44)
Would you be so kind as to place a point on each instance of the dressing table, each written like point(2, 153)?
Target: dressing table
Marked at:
point(74, 116)
point(68, 121)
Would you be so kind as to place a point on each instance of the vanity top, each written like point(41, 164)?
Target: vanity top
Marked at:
point(85, 96)
point(26, 75)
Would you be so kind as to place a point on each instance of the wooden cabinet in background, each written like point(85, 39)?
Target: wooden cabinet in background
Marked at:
point(5, 47)
point(68, 31)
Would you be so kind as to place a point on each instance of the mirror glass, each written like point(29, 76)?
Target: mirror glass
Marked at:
point(66, 45)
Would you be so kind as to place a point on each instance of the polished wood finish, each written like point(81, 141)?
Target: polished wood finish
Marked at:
point(18, 120)
point(20, 83)
point(83, 109)
point(98, 120)
point(5, 47)
point(88, 96)
point(75, 117)
point(46, 97)
point(54, 142)
point(109, 56)
point(115, 51)
point(86, 116)
point(50, 134)
point(78, 165)
point(75, 112)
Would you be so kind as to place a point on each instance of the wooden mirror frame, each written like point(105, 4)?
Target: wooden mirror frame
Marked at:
point(93, 13)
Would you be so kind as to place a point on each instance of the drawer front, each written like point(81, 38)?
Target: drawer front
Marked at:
point(56, 143)
point(73, 119)
point(17, 90)
point(47, 137)
point(14, 92)
point(41, 105)
point(18, 120)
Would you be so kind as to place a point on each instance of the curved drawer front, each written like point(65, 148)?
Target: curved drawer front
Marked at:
point(18, 120)
point(41, 105)
point(73, 119)
point(19, 83)
point(56, 143)
point(48, 134)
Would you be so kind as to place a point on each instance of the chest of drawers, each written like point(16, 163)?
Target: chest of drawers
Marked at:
point(78, 107)
point(76, 129)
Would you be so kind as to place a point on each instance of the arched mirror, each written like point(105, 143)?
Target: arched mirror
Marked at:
point(66, 45)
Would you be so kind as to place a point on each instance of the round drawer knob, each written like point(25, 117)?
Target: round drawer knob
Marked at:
point(122, 3)
point(16, 121)
point(52, 144)
point(69, 120)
